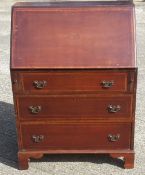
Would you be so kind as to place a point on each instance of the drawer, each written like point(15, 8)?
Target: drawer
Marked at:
point(61, 136)
point(74, 106)
point(73, 81)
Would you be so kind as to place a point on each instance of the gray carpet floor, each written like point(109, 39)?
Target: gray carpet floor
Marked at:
point(65, 164)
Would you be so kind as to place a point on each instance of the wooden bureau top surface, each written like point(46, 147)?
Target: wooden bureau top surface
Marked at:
point(72, 35)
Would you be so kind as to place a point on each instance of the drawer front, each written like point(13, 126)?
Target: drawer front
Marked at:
point(80, 106)
point(60, 136)
point(52, 82)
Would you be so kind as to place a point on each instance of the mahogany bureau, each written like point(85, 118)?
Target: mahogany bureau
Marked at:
point(73, 72)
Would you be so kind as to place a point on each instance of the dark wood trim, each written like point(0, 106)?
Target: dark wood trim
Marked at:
point(72, 4)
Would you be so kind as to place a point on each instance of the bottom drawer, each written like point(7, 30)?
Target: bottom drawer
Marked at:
point(62, 136)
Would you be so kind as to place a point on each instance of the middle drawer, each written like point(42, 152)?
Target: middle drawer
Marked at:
point(71, 106)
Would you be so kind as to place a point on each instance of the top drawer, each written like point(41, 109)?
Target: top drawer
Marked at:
point(46, 82)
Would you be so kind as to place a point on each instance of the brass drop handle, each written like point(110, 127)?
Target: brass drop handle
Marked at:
point(107, 84)
point(114, 108)
point(113, 138)
point(39, 84)
point(35, 109)
point(37, 138)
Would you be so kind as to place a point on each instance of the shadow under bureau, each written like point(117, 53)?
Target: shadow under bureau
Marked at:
point(73, 71)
